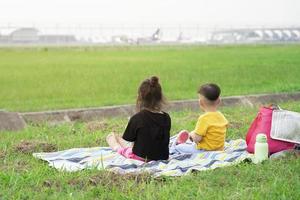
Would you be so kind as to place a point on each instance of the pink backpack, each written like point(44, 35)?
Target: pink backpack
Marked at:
point(262, 124)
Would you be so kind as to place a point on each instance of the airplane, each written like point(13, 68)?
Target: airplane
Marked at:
point(124, 39)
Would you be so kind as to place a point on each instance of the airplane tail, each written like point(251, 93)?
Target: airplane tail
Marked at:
point(156, 35)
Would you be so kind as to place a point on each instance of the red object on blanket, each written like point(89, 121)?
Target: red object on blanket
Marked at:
point(183, 136)
point(262, 124)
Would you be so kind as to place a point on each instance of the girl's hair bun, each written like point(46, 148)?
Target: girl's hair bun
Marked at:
point(150, 95)
point(154, 81)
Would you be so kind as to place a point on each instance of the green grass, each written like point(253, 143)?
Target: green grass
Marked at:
point(54, 78)
point(24, 177)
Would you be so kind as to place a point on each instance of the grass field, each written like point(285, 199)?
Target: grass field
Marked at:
point(24, 177)
point(54, 78)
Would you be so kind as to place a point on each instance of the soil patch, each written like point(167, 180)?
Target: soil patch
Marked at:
point(21, 166)
point(31, 146)
point(2, 154)
point(110, 179)
point(96, 126)
point(113, 179)
point(51, 184)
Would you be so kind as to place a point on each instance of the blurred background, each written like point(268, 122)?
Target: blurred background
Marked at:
point(139, 22)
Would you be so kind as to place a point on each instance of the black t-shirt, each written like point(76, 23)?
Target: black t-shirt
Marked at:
point(150, 133)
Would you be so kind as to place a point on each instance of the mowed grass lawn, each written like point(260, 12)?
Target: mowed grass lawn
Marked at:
point(24, 177)
point(55, 78)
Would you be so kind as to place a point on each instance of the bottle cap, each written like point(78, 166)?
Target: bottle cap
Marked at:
point(261, 137)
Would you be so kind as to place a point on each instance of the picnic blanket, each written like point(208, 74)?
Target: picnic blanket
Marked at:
point(177, 165)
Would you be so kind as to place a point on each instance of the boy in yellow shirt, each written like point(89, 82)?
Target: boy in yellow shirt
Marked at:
point(210, 131)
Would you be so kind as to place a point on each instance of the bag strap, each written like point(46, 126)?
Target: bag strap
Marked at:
point(273, 107)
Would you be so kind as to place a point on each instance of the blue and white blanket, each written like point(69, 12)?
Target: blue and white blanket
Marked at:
point(177, 165)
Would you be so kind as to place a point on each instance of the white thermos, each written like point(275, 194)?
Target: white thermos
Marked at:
point(261, 148)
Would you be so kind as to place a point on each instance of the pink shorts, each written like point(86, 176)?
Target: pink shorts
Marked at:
point(127, 153)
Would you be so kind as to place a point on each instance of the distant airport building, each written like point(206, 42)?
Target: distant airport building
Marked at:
point(5, 35)
point(25, 35)
point(258, 35)
point(32, 36)
point(49, 39)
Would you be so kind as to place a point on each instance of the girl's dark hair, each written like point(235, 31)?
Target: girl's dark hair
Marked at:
point(150, 95)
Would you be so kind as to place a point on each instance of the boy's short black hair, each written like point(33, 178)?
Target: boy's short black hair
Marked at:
point(210, 91)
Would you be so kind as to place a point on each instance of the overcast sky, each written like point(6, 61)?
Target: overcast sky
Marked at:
point(205, 13)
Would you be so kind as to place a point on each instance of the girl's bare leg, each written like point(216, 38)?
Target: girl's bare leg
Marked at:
point(113, 142)
point(123, 142)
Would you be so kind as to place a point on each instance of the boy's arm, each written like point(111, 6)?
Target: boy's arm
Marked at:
point(195, 137)
point(200, 130)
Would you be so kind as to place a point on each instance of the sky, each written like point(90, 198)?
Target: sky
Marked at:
point(205, 13)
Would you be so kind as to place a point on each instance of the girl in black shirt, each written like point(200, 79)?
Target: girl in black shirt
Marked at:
point(148, 129)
